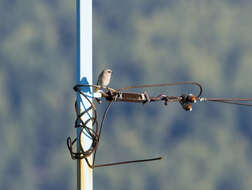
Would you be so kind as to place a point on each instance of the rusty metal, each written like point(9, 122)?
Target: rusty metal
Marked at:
point(111, 95)
point(95, 134)
point(185, 100)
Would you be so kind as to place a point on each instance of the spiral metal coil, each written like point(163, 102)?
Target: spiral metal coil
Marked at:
point(94, 133)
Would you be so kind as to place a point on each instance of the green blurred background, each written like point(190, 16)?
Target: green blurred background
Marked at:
point(142, 41)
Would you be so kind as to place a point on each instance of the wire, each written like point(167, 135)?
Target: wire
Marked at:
point(236, 101)
point(95, 130)
point(165, 84)
point(94, 133)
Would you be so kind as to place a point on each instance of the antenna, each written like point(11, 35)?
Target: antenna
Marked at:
point(84, 76)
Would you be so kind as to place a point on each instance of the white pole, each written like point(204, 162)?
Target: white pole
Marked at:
point(84, 76)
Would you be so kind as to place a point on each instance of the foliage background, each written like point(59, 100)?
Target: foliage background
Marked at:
point(142, 41)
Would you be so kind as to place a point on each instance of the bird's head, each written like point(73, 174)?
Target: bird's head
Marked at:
point(108, 71)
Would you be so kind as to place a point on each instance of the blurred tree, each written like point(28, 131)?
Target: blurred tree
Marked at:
point(142, 41)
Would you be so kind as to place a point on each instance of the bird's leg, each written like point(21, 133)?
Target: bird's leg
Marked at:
point(111, 89)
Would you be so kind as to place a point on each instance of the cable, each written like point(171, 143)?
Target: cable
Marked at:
point(236, 101)
point(95, 130)
point(94, 134)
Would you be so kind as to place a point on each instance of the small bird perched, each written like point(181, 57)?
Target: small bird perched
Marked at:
point(103, 79)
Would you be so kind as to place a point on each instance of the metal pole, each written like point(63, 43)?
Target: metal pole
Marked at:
point(84, 76)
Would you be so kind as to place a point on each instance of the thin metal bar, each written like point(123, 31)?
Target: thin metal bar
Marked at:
point(165, 85)
point(128, 162)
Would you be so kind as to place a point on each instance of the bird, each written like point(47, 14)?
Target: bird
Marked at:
point(103, 79)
